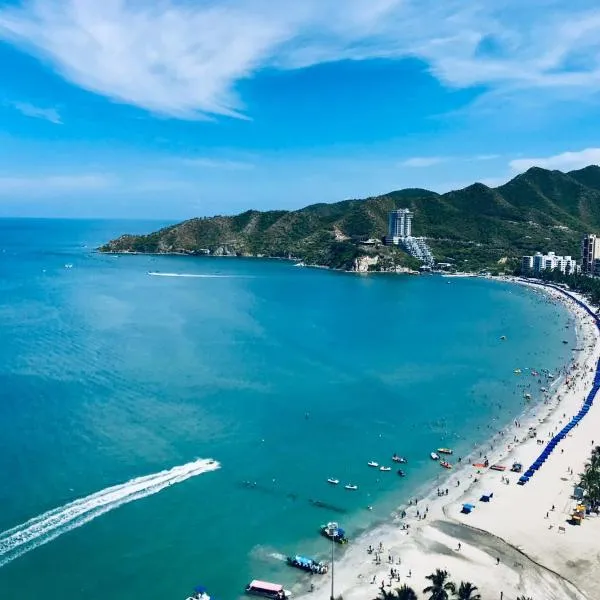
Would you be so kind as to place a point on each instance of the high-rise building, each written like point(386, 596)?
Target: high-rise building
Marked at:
point(399, 226)
point(542, 262)
point(527, 264)
point(590, 251)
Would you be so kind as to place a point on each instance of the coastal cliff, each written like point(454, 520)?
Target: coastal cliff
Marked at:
point(475, 227)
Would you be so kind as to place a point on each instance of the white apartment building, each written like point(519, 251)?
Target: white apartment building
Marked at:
point(542, 262)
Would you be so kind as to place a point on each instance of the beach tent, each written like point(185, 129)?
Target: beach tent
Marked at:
point(467, 508)
point(486, 497)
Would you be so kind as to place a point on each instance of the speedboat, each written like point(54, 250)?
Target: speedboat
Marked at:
point(199, 594)
point(434, 456)
point(307, 564)
point(382, 468)
point(372, 463)
point(401, 473)
point(398, 459)
point(445, 464)
point(350, 486)
point(445, 451)
point(333, 481)
point(518, 371)
point(267, 590)
point(334, 532)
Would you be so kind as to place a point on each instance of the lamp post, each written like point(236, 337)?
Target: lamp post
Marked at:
point(334, 527)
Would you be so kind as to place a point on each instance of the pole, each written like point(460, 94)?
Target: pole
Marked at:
point(332, 547)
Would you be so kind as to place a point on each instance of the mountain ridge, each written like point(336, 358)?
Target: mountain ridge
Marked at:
point(474, 227)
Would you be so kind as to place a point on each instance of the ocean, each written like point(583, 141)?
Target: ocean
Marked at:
point(116, 385)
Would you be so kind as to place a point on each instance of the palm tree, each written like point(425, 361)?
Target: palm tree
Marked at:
point(524, 598)
point(385, 595)
point(467, 591)
point(405, 593)
point(440, 586)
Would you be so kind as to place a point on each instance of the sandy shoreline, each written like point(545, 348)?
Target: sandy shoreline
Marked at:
point(511, 545)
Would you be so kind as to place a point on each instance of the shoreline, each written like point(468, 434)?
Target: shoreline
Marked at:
point(504, 528)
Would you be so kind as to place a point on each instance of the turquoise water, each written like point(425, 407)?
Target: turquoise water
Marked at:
point(286, 376)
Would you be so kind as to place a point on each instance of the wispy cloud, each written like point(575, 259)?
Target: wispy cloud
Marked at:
point(50, 184)
point(566, 161)
point(423, 161)
point(184, 59)
point(486, 157)
point(215, 163)
point(29, 110)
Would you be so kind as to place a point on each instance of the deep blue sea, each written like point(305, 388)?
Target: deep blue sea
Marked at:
point(286, 376)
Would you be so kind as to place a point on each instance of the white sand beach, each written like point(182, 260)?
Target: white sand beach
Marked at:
point(520, 542)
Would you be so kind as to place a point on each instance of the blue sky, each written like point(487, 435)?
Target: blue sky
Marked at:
point(174, 108)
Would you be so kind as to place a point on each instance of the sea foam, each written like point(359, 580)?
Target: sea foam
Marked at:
point(48, 526)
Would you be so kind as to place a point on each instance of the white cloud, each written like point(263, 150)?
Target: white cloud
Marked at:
point(184, 59)
point(486, 157)
point(567, 161)
point(423, 161)
point(43, 185)
point(214, 163)
point(29, 110)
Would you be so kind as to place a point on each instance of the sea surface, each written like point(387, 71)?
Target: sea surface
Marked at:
point(286, 376)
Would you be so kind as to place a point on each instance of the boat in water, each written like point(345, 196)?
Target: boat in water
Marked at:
point(445, 464)
point(372, 463)
point(382, 468)
point(445, 451)
point(434, 456)
point(401, 473)
point(334, 532)
point(200, 593)
point(267, 590)
point(399, 459)
point(307, 564)
point(333, 481)
point(351, 486)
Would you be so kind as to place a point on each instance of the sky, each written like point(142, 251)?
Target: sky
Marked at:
point(170, 109)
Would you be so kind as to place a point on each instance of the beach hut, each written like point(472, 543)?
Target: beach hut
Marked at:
point(467, 508)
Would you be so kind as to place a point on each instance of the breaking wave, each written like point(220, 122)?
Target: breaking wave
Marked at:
point(48, 526)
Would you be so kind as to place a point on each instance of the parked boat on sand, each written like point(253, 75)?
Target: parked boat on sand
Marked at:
point(267, 589)
point(445, 464)
point(307, 564)
point(334, 532)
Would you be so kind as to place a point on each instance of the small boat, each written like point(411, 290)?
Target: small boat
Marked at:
point(307, 564)
point(565, 342)
point(334, 532)
point(401, 473)
point(199, 594)
point(68, 266)
point(434, 456)
point(498, 468)
point(267, 590)
point(445, 464)
point(445, 450)
point(333, 481)
point(399, 459)
point(350, 486)
point(518, 371)
point(372, 463)
point(502, 337)
point(385, 468)
point(543, 389)
point(527, 396)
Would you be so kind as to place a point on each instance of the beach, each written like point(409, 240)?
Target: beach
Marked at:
point(518, 543)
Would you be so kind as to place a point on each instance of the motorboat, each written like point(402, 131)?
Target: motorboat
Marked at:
point(382, 468)
point(502, 337)
point(434, 456)
point(399, 459)
point(334, 532)
point(372, 463)
point(518, 371)
point(333, 481)
point(401, 473)
point(350, 486)
point(445, 450)
point(307, 564)
point(200, 593)
point(267, 590)
point(445, 464)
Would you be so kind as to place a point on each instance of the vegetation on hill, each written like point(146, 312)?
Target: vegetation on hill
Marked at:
point(473, 228)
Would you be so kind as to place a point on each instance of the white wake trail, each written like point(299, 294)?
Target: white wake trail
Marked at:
point(44, 528)
point(194, 275)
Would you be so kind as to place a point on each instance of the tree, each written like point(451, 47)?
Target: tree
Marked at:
point(467, 591)
point(405, 593)
point(385, 595)
point(524, 598)
point(440, 585)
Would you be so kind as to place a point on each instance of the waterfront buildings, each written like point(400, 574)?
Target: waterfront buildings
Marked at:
point(399, 226)
point(590, 253)
point(541, 262)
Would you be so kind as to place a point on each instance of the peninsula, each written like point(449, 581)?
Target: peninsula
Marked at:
point(475, 228)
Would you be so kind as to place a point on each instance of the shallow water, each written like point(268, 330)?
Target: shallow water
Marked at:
point(286, 376)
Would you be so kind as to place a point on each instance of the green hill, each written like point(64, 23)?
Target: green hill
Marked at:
point(474, 227)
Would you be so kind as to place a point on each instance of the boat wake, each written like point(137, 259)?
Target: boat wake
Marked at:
point(194, 275)
point(46, 527)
